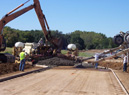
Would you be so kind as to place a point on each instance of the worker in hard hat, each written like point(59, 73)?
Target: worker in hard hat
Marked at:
point(22, 60)
point(96, 59)
point(125, 63)
point(40, 42)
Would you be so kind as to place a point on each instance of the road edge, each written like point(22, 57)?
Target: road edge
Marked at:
point(22, 74)
point(120, 83)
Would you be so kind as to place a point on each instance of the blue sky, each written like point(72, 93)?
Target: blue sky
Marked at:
point(102, 16)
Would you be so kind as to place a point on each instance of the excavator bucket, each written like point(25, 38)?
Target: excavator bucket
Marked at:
point(58, 43)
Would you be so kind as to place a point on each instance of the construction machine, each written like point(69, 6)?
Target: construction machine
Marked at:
point(72, 50)
point(57, 42)
point(122, 40)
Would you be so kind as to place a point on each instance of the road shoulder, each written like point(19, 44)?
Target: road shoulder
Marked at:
point(124, 78)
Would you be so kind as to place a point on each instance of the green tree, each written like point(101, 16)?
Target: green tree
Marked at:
point(76, 39)
point(83, 39)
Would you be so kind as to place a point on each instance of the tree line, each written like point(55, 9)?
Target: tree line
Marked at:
point(83, 39)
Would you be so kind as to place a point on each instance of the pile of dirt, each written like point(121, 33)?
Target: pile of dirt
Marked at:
point(6, 68)
point(114, 65)
point(55, 61)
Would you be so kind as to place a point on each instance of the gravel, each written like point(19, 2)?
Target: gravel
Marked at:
point(55, 61)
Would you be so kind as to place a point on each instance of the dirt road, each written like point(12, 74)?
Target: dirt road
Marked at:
point(66, 81)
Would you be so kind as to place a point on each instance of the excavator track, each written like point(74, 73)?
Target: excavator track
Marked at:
point(7, 58)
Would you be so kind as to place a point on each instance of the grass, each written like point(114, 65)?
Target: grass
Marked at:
point(8, 50)
point(83, 54)
point(64, 51)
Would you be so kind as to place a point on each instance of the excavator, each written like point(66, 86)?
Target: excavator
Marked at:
point(56, 42)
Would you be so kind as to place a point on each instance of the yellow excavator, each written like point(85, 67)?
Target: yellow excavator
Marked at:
point(57, 42)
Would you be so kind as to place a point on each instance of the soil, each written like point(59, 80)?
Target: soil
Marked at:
point(114, 65)
point(55, 61)
point(6, 68)
point(63, 82)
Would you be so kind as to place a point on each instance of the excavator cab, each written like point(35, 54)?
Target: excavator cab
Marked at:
point(5, 57)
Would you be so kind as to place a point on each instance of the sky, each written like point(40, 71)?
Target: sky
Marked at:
point(101, 16)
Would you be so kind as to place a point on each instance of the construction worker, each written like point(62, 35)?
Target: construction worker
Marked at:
point(96, 58)
point(22, 60)
point(40, 42)
point(125, 63)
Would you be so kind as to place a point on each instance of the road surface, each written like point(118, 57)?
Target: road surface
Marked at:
point(61, 81)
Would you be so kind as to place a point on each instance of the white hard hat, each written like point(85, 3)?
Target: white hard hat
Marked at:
point(23, 49)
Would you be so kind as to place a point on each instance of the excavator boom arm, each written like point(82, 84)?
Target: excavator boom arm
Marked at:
point(8, 18)
point(41, 18)
point(43, 22)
